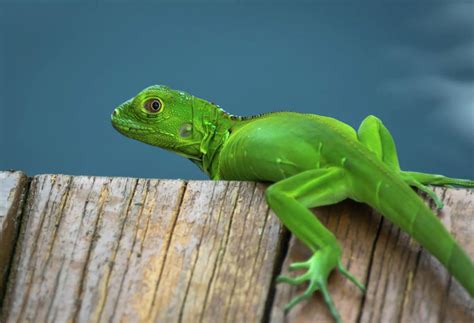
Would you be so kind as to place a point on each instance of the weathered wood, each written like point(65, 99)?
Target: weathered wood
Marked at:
point(121, 249)
point(101, 249)
point(13, 186)
point(404, 282)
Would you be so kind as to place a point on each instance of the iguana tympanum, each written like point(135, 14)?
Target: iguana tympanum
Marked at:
point(312, 161)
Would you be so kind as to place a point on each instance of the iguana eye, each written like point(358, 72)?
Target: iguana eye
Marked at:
point(153, 105)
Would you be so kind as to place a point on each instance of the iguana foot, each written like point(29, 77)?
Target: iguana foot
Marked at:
point(318, 268)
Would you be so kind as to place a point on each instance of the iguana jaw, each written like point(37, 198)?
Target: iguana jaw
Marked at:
point(129, 128)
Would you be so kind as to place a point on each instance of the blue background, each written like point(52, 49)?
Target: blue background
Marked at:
point(65, 65)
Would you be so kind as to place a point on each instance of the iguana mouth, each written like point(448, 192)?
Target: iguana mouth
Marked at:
point(128, 127)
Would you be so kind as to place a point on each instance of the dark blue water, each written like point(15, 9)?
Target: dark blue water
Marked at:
point(64, 68)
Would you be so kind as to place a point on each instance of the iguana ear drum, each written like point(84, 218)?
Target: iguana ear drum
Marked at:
point(186, 130)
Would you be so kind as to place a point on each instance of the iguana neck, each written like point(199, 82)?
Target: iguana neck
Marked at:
point(212, 126)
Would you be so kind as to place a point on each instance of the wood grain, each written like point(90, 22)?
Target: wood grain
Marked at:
point(13, 187)
point(120, 249)
point(404, 283)
point(95, 249)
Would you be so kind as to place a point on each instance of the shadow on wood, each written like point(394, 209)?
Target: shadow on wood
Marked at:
point(13, 188)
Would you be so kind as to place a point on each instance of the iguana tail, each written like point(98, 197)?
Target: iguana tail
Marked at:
point(390, 195)
point(439, 180)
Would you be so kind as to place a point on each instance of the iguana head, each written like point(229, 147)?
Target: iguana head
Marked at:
point(172, 120)
point(159, 116)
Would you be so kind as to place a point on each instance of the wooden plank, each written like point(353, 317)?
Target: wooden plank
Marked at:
point(120, 249)
point(13, 186)
point(404, 283)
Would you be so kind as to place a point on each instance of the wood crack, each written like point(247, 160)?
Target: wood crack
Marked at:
point(369, 271)
point(215, 266)
point(114, 254)
point(224, 246)
point(129, 255)
point(102, 200)
point(42, 216)
point(232, 290)
point(168, 241)
point(193, 266)
point(282, 253)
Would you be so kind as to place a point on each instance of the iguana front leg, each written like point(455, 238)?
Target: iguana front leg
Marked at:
point(375, 136)
point(290, 200)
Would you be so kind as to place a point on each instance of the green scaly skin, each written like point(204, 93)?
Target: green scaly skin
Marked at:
point(312, 161)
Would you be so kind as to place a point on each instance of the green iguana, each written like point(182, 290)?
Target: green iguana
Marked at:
point(312, 160)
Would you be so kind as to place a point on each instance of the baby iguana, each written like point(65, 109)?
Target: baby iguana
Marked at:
point(312, 161)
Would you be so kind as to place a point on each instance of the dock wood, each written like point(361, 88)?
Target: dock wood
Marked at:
point(95, 249)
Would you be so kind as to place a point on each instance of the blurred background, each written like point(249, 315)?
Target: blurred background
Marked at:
point(65, 65)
